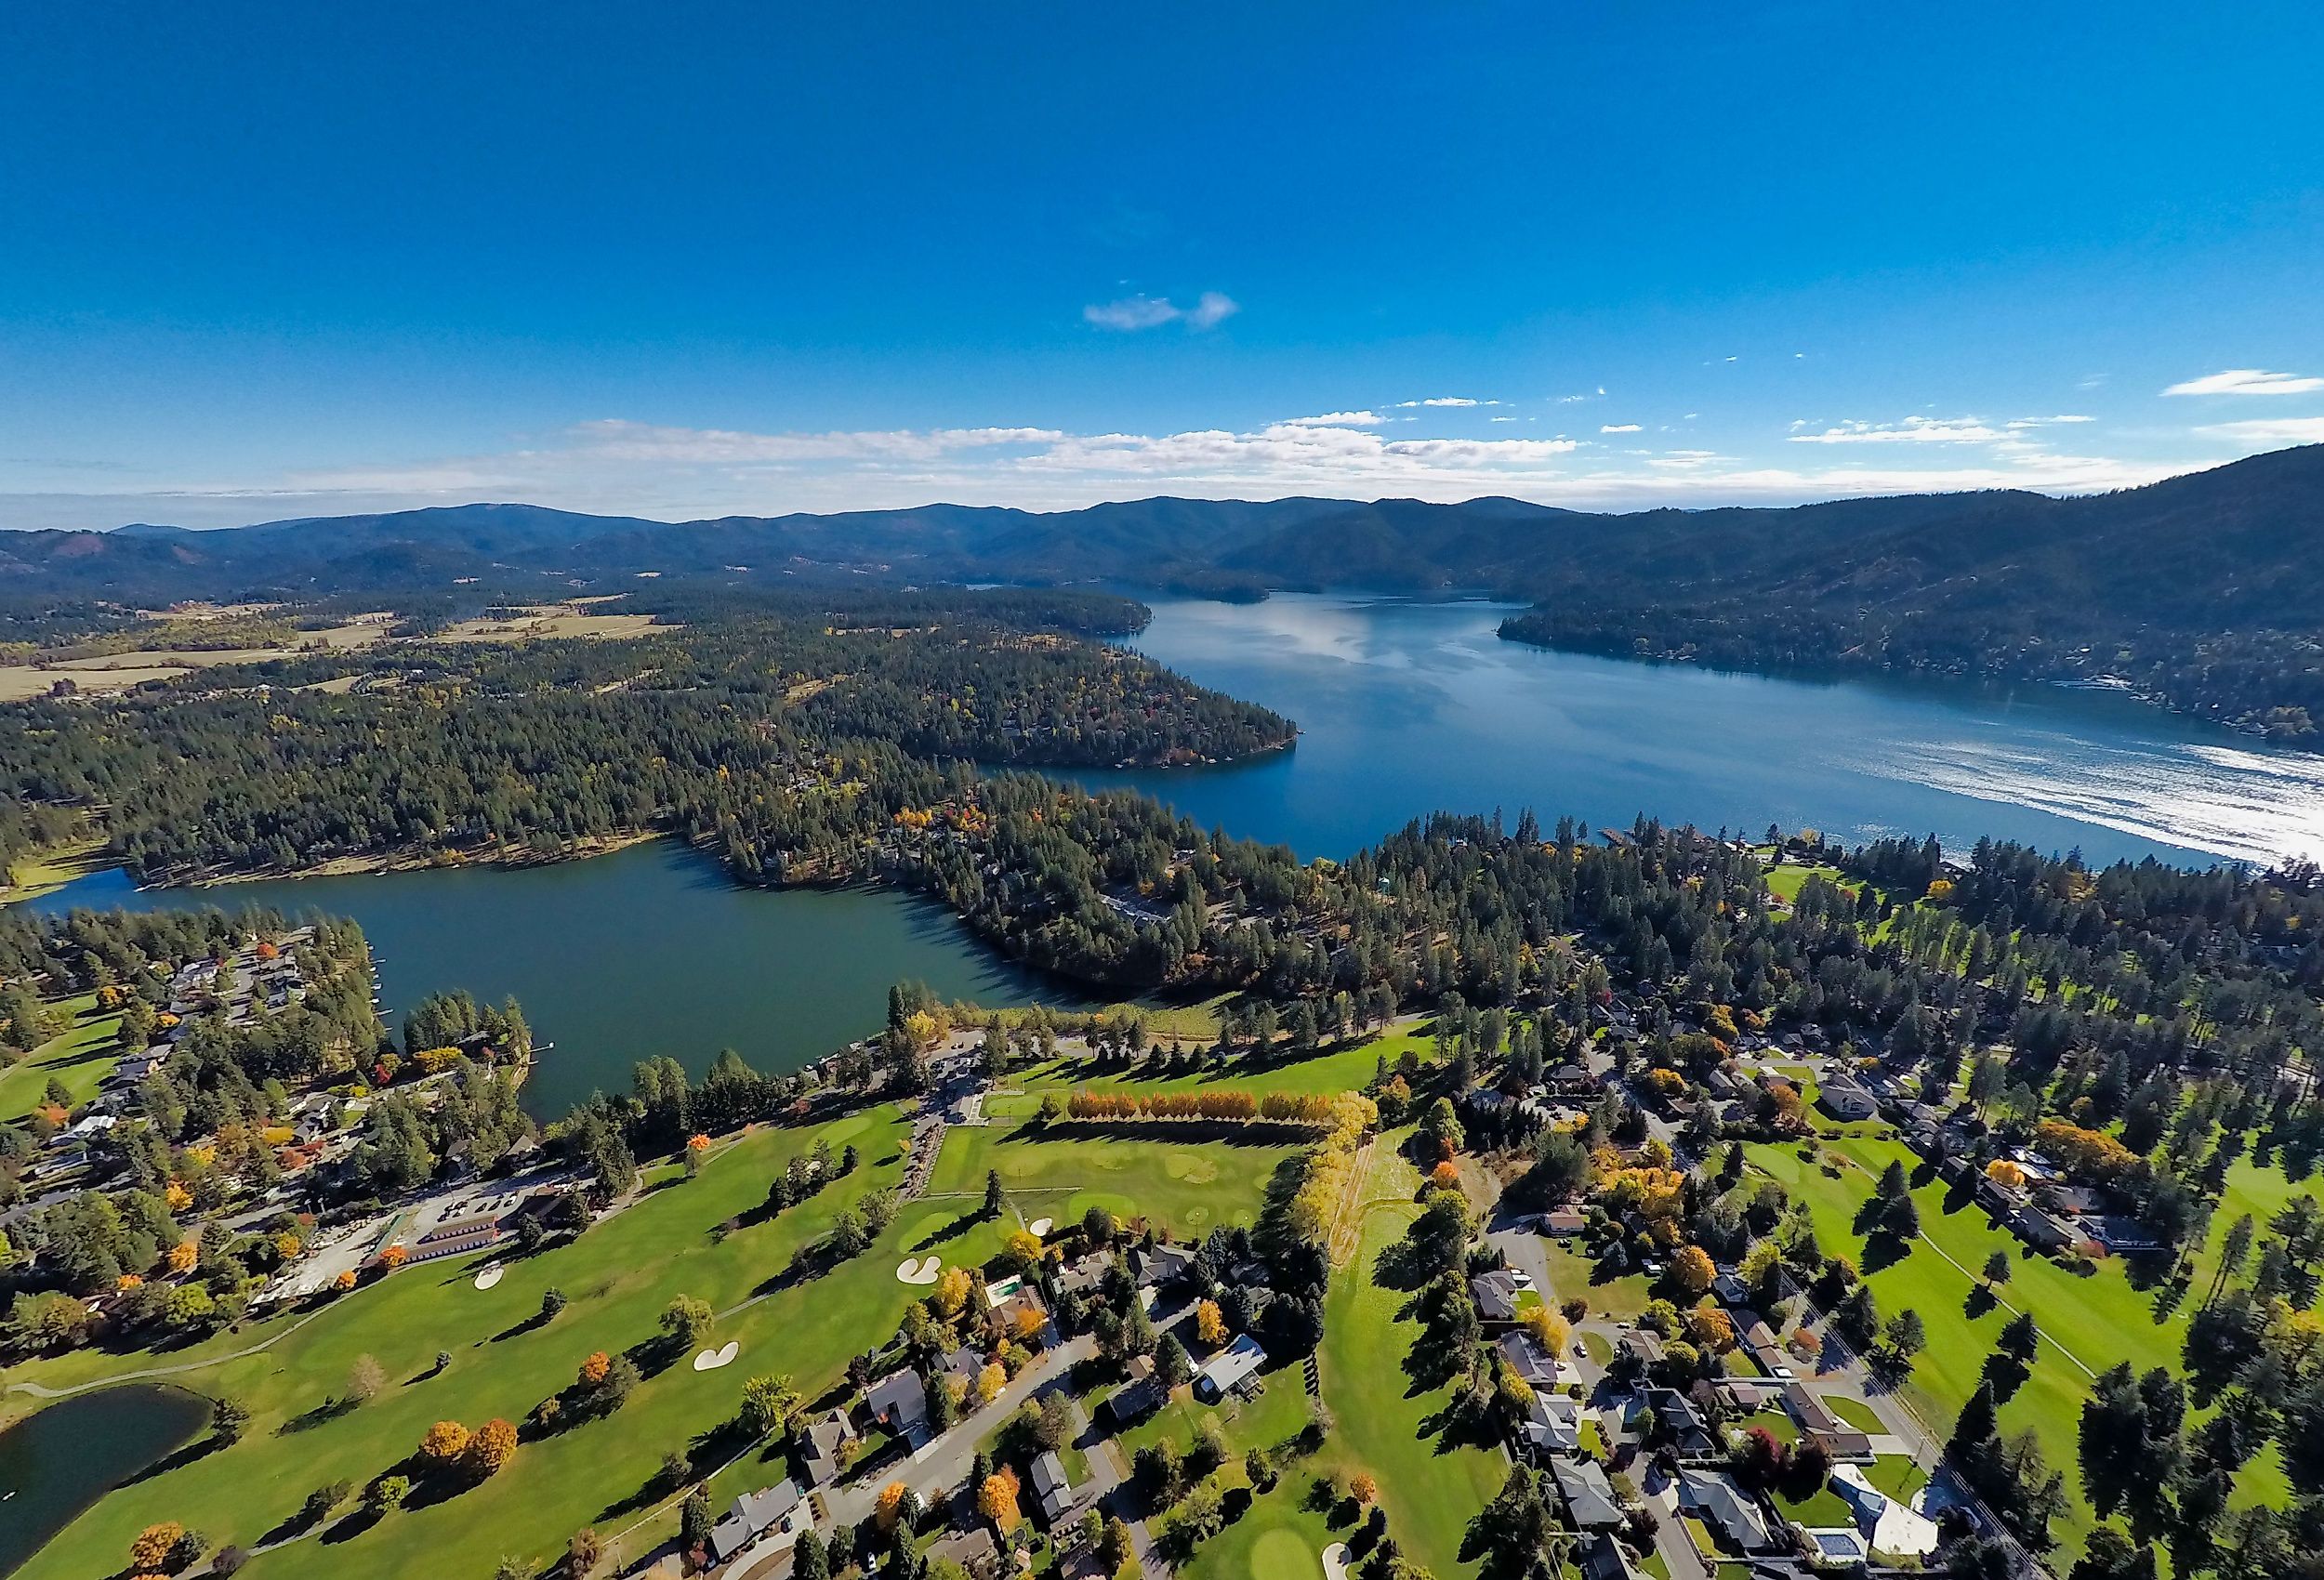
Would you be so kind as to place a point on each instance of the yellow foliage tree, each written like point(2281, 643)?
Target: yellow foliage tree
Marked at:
point(889, 1504)
point(155, 1544)
point(2001, 1171)
point(990, 1381)
point(183, 1256)
point(1549, 1329)
point(445, 1441)
point(489, 1449)
point(951, 1293)
point(1209, 1323)
point(997, 1500)
point(1691, 1271)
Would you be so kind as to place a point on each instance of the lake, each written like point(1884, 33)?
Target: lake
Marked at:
point(650, 950)
point(1405, 707)
point(1408, 707)
point(56, 1463)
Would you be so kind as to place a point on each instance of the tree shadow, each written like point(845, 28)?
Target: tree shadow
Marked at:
point(347, 1529)
point(1883, 1250)
point(202, 1448)
point(2006, 1374)
point(533, 1323)
point(953, 1230)
point(1981, 1299)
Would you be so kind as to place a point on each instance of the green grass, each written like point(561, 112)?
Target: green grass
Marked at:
point(1573, 1275)
point(81, 1057)
point(44, 871)
point(1857, 1413)
point(619, 1276)
point(1597, 1346)
point(1430, 1487)
point(1897, 1475)
point(1063, 1170)
point(2090, 1319)
point(1823, 1507)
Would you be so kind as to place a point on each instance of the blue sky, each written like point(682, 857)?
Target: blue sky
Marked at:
point(691, 259)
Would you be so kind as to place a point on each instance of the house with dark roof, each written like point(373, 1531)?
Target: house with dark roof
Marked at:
point(1719, 1499)
point(776, 1511)
point(1603, 1558)
point(1497, 1294)
point(822, 1450)
point(898, 1402)
point(1527, 1359)
point(1588, 1497)
point(1053, 1489)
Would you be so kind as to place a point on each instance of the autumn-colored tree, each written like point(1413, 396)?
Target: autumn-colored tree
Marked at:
point(997, 1500)
point(889, 1504)
point(153, 1545)
point(184, 1256)
point(1445, 1176)
point(393, 1258)
point(1710, 1328)
point(1362, 1488)
point(951, 1293)
point(593, 1370)
point(1691, 1271)
point(345, 1281)
point(990, 1381)
point(444, 1444)
point(1027, 1325)
point(1209, 1323)
point(178, 1197)
point(582, 1554)
point(687, 1318)
point(2001, 1171)
point(1025, 1250)
point(1549, 1329)
point(490, 1448)
point(697, 1151)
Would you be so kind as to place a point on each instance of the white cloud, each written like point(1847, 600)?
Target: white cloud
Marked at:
point(1131, 313)
point(1340, 419)
point(2246, 381)
point(1618, 428)
point(1452, 401)
point(615, 438)
point(1911, 430)
point(2046, 422)
point(2270, 431)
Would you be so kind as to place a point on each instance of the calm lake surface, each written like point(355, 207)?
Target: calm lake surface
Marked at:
point(650, 950)
point(1407, 708)
point(64, 1458)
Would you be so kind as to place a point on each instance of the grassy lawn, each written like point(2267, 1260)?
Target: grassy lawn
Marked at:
point(1597, 1346)
point(1335, 1068)
point(1430, 1487)
point(618, 1277)
point(1897, 1475)
point(2090, 1320)
point(1064, 1170)
point(79, 1056)
point(1572, 1276)
point(36, 874)
point(1857, 1413)
point(1823, 1507)
point(1278, 1415)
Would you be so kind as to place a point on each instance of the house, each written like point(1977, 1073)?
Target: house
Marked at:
point(1588, 1497)
point(1230, 1369)
point(1018, 1314)
point(2122, 1236)
point(1846, 1101)
point(1892, 1529)
point(966, 1363)
point(1497, 1294)
point(1158, 1265)
point(973, 1549)
point(823, 1449)
point(1603, 1558)
point(1552, 1423)
point(1572, 1078)
point(1765, 1348)
point(1131, 1402)
point(1731, 1290)
point(1837, 1546)
point(1722, 1503)
point(1083, 1276)
point(1747, 1396)
point(1817, 1422)
point(1053, 1489)
point(2039, 1229)
point(1529, 1360)
point(778, 1511)
point(1643, 1346)
point(898, 1402)
point(1690, 1434)
point(1564, 1221)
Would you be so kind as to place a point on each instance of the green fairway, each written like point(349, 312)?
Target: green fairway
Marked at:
point(81, 1056)
point(618, 1277)
point(1062, 1171)
point(1430, 1487)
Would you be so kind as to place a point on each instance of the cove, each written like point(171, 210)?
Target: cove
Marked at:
point(1407, 708)
point(56, 1463)
point(647, 951)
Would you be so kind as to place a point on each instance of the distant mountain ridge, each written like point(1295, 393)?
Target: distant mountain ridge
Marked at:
point(2152, 583)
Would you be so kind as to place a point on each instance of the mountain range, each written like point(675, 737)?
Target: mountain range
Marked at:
point(2217, 571)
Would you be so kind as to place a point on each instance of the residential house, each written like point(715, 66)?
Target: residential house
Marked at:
point(1642, 1345)
point(1529, 1360)
point(775, 1511)
point(898, 1402)
point(1563, 1222)
point(1846, 1101)
point(1603, 1558)
point(1721, 1502)
point(1588, 1497)
point(1552, 1424)
point(1231, 1368)
point(1053, 1489)
point(1690, 1434)
point(1158, 1265)
point(973, 1549)
point(823, 1449)
point(1888, 1527)
point(1131, 1402)
point(1497, 1294)
point(1819, 1424)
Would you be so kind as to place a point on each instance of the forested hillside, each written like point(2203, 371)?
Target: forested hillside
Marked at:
point(2204, 592)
